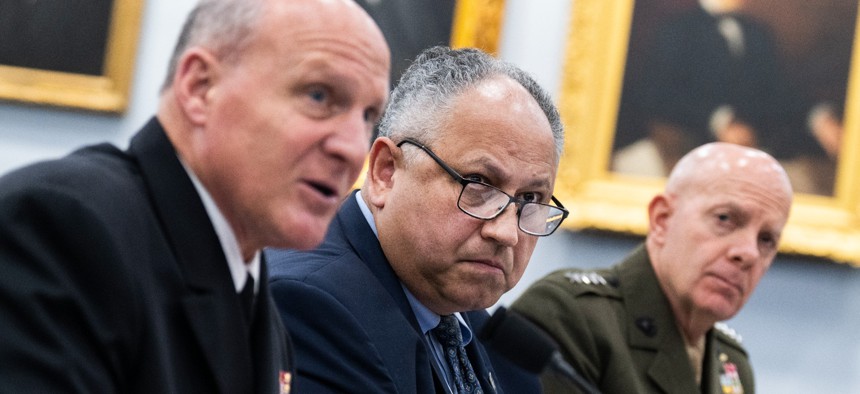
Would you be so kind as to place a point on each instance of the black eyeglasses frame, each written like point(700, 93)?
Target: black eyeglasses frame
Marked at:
point(464, 182)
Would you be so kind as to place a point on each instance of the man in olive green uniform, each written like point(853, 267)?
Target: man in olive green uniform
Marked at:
point(650, 323)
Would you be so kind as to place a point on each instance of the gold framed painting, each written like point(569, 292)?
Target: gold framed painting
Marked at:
point(410, 26)
point(602, 53)
point(478, 24)
point(76, 55)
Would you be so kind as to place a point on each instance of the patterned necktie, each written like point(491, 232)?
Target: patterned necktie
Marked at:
point(448, 334)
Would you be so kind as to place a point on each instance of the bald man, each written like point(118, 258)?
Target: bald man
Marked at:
point(140, 271)
point(650, 323)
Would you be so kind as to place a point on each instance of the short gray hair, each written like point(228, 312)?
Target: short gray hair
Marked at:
point(223, 26)
point(438, 76)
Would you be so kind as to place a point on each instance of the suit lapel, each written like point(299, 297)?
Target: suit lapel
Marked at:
point(652, 326)
point(210, 303)
point(365, 244)
point(711, 369)
point(268, 334)
point(358, 236)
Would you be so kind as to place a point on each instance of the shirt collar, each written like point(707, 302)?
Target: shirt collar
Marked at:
point(239, 269)
point(427, 319)
point(365, 210)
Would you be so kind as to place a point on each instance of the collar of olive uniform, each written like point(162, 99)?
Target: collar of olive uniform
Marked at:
point(651, 325)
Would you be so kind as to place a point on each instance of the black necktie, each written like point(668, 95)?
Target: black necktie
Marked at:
point(448, 334)
point(247, 298)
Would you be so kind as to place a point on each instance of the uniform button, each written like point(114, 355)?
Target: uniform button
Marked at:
point(646, 324)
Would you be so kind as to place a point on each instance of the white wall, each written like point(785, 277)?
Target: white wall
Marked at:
point(533, 37)
point(800, 326)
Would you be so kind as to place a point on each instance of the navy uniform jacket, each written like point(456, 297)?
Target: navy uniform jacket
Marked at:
point(615, 327)
point(352, 325)
point(112, 280)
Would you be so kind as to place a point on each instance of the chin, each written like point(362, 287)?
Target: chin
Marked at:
point(724, 312)
point(304, 239)
point(483, 301)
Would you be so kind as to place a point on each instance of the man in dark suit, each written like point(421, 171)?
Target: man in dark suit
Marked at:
point(458, 190)
point(136, 271)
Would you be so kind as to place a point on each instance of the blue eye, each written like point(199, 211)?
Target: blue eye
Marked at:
point(318, 95)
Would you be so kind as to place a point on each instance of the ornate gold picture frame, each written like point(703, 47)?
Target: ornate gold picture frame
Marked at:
point(824, 226)
point(107, 92)
point(478, 24)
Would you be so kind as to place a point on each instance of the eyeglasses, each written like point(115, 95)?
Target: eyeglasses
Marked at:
point(482, 201)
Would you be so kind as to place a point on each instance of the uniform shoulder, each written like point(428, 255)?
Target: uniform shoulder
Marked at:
point(582, 282)
point(89, 172)
point(728, 335)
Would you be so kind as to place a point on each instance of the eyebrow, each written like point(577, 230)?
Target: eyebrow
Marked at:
point(498, 172)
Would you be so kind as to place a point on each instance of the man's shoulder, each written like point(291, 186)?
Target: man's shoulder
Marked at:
point(578, 282)
point(301, 264)
point(728, 336)
point(90, 172)
point(97, 181)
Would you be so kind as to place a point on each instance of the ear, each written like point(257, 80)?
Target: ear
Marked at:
point(659, 212)
point(384, 161)
point(192, 84)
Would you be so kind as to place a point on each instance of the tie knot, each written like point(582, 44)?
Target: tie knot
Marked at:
point(448, 331)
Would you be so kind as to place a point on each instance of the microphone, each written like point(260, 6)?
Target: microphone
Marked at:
point(530, 348)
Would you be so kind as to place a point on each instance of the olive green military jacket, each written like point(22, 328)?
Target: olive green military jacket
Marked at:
point(615, 327)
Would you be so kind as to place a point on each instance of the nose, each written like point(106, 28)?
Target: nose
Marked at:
point(503, 228)
point(350, 141)
point(745, 249)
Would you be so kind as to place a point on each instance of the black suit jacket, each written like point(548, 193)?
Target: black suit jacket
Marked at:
point(352, 324)
point(112, 279)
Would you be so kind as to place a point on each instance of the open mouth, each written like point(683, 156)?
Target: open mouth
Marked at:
point(323, 189)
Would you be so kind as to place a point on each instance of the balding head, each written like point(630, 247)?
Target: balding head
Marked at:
point(225, 27)
point(715, 230)
point(729, 163)
point(271, 105)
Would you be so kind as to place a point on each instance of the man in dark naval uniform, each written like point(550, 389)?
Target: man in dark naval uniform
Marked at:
point(650, 323)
